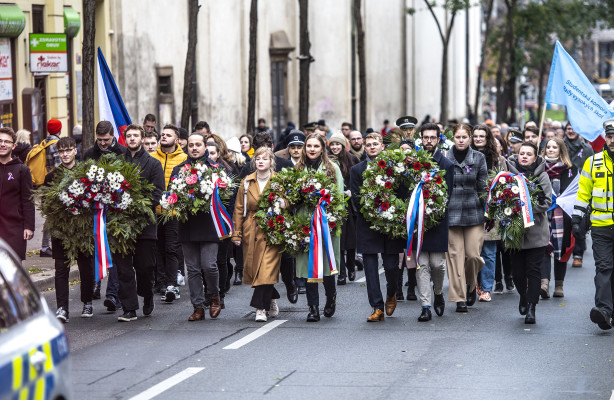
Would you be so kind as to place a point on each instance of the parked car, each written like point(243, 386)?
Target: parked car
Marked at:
point(34, 355)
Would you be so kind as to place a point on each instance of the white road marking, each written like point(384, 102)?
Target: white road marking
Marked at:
point(167, 384)
point(364, 278)
point(612, 396)
point(255, 335)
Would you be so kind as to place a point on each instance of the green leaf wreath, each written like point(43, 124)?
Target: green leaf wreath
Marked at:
point(67, 204)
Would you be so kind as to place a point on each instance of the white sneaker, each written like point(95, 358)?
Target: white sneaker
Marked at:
point(260, 316)
point(274, 311)
point(180, 279)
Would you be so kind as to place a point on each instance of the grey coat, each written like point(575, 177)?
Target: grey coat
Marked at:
point(539, 234)
point(466, 207)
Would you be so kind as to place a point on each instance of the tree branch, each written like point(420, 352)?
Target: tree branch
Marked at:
point(436, 20)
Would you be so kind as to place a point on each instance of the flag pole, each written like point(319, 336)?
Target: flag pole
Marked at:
point(541, 125)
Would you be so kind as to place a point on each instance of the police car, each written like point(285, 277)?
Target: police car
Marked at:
point(34, 357)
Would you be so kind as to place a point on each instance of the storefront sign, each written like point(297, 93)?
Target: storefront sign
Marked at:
point(72, 22)
point(48, 52)
point(12, 21)
point(6, 70)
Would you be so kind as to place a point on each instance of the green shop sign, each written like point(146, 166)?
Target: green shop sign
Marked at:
point(48, 52)
point(72, 22)
point(12, 21)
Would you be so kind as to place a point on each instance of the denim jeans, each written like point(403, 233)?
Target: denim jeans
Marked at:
point(486, 277)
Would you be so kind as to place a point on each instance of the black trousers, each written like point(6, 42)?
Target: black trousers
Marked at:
point(136, 274)
point(313, 295)
point(287, 269)
point(86, 274)
point(262, 296)
point(391, 270)
point(167, 249)
point(560, 268)
point(237, 252)
point(527, 273)
point(222, 264)
point(348, 262)
point(603, 252)
point(503, 262)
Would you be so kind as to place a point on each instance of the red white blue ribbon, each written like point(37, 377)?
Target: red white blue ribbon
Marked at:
point(321, 253)
point(523, 192)
point(415, 216)
point(102, 255)
point(221, 219)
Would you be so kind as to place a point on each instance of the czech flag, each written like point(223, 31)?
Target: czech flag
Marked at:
point(110, 104)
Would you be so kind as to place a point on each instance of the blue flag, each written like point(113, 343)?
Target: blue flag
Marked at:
point(568, 86)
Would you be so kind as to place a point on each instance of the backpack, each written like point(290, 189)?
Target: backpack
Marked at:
point(37, 162)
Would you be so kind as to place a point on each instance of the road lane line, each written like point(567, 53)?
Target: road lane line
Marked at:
point(612, 396)
point(364, 278)
point(167, 384)
point(255, 335)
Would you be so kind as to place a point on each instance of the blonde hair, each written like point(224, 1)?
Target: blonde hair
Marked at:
point(260, 151)
point(563, 155)
point(23, 136)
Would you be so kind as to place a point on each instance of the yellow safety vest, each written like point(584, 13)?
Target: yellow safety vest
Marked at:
point(596, 188)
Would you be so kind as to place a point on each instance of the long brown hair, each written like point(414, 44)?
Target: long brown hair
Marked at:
point(302, 163)
point(491, 146)
point(563, 155)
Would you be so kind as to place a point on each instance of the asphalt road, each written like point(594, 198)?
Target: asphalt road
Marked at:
point(487, 352)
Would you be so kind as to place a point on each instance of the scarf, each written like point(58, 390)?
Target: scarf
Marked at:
point(555, 246)
point(357, 153)
point(528, 170)
point(554, 170)
point(313, 164)
point(460, 155)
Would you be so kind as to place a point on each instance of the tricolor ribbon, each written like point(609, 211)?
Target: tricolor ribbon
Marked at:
point(526, 207)
point(221, 219)
point(102, 256)
point(321, 254)
point(415, 216)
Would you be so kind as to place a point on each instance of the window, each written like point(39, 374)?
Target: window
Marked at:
point(25, 298)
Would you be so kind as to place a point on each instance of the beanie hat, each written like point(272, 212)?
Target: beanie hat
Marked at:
point(338, 138)
point(54, 126)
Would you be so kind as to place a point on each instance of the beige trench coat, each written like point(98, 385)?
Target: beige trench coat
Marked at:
point(260, 262)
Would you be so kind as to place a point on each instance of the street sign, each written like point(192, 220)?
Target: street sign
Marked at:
point(48, 52)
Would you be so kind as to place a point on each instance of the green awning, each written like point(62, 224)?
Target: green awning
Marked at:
point(12, 21)
point(72, 22)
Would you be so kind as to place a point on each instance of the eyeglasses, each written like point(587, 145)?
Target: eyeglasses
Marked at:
point(66, 151)
point(369, 145)
point(6, 142)
point(429, 138)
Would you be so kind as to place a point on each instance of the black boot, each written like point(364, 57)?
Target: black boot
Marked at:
point(330, 306)
point(439, 304)
point(471, 297)
point(522, 304)
point(292, 292)
point(96, 295)
point(238, 278)
point(426, 315)
point(411, 293)
point(530, 318)
point(314, 314)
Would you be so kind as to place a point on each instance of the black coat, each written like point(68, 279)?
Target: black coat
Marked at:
point(16, 205)
point(436, 238)
point(21, 151)
point(369, 241)
point(151, 170)
point(95, 152)
point(57, 248)
point(198, 227)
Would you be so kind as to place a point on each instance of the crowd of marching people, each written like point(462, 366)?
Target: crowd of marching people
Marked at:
point(210, 250)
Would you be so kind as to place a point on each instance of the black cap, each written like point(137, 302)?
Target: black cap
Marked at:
point(322, 122)
point(183, 133)
point(608, 125)
point(515, 135)
point(407, 122)
point(296, 137)
point(311, 126)
point(369, 130)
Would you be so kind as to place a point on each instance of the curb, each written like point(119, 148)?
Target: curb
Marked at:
point(48, 282)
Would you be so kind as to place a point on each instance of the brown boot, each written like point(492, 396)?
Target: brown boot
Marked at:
point(558, 289)
point(577, 263)
point(544, 290)
point(391, 304)
point(378, 315)
point(198, 314)
point(215, 307)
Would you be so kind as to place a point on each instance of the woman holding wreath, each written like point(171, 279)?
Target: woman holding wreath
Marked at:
point(314, 157)
point(261, 261)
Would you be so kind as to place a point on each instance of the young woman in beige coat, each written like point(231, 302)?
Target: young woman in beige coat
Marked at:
point(261, 261)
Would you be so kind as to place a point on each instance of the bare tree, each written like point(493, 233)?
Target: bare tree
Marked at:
point(190, 60)
point(253, 58)
point(89, 71)
point(362, 70)
point(305, 59)
point(487, 26)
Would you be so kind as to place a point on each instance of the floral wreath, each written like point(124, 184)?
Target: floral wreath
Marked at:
point(109, 182)
point(298, 189)
point(395, 170)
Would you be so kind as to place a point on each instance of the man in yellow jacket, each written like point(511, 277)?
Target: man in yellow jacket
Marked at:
point(596, 188)
point(170, 257)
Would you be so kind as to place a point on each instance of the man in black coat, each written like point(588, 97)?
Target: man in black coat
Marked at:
point(143, 261)
point(432, 260)
point(106, 143)
point(371, 243)
point(17, 211)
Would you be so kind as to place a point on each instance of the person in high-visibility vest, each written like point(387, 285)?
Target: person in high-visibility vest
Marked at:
point(597, 190)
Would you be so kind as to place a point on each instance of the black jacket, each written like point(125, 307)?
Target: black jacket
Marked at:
point(95, 152)
point(369, 241)
point(17, 207)
point(21, 151)
point(198, 227)
point(57, 248)
point(151, 171)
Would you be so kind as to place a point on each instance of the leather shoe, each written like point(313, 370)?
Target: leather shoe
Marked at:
point(351, 275)
point(198, 314)
point(46, 253)
point(522, 304)
point(377, 316)
point(400, 296)
point(238, 279)
point(341, 281)
point(359, 265)
point(461, 306)
point(292, 293)
point(391, 304)
point(96, 294)
point(215, 307)
point(471, 297)
point(411, 293)
point(426, 315)
point(530, 318)
point(148, 305)
point(601, 318)
point(330, 306)
point(439, 304)
point(314, 314)
point(302, 290)
point(111, 304)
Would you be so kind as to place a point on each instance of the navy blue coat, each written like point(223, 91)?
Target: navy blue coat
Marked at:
point(369, 241)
